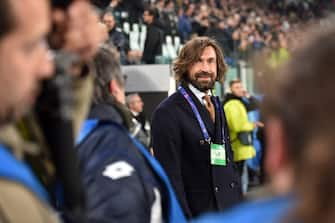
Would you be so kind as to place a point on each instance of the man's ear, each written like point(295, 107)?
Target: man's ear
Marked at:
point(116, 91)
point(114, 87)
point(111, 87)
point(276, 147)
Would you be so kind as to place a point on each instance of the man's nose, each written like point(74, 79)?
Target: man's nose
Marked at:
point(205, 66)
point(46, 65)
point(45, 61)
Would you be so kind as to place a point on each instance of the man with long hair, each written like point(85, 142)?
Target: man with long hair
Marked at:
point(190, 135)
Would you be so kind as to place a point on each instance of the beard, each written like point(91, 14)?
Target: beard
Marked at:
point(8, 116)
point(203, 86)
point(18, 109)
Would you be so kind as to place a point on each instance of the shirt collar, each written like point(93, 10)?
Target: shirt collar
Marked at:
point(134, 113)
point(199, 94)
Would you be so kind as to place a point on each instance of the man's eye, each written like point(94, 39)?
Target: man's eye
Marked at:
point(28, 48)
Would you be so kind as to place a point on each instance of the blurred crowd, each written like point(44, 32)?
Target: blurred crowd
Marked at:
point(241, 27)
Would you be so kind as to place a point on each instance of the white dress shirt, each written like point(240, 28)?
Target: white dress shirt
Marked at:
point(199, 94)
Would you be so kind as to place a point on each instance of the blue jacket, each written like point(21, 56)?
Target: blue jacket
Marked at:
point(264, 211)
point(18, 171)
point(184, 27)
point(123, 182)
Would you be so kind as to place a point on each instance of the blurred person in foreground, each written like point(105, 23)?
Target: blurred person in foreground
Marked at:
point(299, 114)
point(24, 63)
point(27, 167)
point(190, 135)
point(123, 182)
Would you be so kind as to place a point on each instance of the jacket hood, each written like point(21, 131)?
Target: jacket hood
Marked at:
point(250, 104)
point(111, 111)
point(229, 97)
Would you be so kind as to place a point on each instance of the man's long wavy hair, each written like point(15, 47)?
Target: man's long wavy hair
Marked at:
point(8, 20)
point(191, 53)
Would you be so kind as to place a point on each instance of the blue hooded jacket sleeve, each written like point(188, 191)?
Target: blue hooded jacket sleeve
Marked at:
point(263, 211)
point(129, 196)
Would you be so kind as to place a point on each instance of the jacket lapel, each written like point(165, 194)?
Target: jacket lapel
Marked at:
point(202, 110)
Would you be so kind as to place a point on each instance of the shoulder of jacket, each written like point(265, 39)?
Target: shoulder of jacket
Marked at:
point(233, 102)
point(268, 210)
point(169, 103)
point(106, 132)
point(119, 30)
point(122, 149)
point(19, 204)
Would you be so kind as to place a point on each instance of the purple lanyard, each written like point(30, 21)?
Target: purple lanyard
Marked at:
point(196, 112)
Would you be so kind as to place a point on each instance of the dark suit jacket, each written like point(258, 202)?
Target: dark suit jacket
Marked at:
point(153, 43)
point(179, 145)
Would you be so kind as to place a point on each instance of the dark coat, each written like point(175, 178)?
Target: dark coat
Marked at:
point(180, 147)
point(118, 39)
point(153, 43)
point(140, 117)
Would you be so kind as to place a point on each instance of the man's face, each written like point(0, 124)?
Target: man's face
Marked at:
point(147, 18)
point(109, 21)
point(237, 89)
point(190, 10)
point(202, 74)
point(137, 104)
point(24, 59)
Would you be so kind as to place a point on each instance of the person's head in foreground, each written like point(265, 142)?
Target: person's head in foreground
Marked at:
point(300, 116)
point(299, 110)
point(24, 58)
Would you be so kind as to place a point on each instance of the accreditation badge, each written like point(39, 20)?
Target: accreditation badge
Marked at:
point(218, 154)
